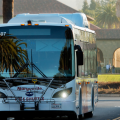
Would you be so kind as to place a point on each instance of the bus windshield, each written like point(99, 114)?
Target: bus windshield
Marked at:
point(36, 51)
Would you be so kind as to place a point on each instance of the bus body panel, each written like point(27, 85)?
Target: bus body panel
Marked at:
point(46, 103)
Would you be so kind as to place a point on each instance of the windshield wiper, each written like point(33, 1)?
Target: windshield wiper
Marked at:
point(41, 73)
point(20, 70)
point(26, 65)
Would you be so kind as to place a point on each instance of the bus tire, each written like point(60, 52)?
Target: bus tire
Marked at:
point(3, 118)
point(18, 118)
point(88, 115)
point(72, 117)
point(53, 116)
point(79, 117)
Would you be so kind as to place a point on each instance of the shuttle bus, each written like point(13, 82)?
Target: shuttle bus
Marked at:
point(48, 66)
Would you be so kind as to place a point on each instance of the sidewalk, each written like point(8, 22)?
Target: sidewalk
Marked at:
point(108, 95)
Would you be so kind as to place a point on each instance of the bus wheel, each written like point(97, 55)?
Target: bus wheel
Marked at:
point(72, 117)
point(53, 116)
point(3, 118)
point(18, 118)
point(79, 117)
point(88, 115)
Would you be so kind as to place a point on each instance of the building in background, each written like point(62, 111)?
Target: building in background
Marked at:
point(108, 44)
point(44, 6)
point(38, 6)
point(89, 19)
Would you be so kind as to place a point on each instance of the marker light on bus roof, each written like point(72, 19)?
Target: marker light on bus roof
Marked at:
point(22, 24)
point(29, 22)
point(66, 25)
point(36, 24)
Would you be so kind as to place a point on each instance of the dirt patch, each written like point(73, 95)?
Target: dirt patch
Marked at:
point(108, 85)
point(109, 88)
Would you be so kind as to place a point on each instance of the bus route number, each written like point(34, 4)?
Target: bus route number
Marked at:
point(2, 33)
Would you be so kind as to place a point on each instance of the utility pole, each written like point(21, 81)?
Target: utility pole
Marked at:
point(8, 10)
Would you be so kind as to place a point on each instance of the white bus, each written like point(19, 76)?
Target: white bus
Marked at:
point(48, 66)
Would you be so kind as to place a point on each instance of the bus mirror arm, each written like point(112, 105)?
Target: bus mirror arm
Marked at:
point(77, 47)
point(79, 54)
point(79, 57)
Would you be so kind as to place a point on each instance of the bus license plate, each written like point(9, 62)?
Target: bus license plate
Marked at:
point(56, 106)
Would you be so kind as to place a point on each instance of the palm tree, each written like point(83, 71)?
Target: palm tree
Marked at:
point(12, 56)
point(8, 10)
point(106, 15)
point(85, 6)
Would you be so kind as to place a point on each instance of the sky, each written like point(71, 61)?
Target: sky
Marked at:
point(75, 4)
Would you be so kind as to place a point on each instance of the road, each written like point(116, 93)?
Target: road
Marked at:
point(108, 108)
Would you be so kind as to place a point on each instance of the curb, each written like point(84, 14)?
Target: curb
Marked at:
point(108, 95)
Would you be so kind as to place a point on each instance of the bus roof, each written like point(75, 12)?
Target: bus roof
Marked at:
point(84, 29)
point(78, 19)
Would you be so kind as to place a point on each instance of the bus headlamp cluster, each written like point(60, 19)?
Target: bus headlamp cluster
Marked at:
point(63, 93)
point(2, 95)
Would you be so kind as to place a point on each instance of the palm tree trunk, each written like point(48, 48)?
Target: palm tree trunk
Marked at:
point(8, 10)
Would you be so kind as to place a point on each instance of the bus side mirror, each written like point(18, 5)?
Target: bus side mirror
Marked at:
point(79, 58)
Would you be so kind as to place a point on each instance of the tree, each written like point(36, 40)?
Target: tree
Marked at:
point(89, 10)
point(106, 15)
point(98, 4)
point(118, 8)
point(12, 56)
point(93, 5)
point(8, 10)
point(85, 6)
point(90, 13)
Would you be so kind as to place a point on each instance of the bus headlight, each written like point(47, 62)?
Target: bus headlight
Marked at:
point(2, 95)
point(63, 93)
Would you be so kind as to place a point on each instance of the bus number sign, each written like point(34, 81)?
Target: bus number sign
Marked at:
point(2, 33)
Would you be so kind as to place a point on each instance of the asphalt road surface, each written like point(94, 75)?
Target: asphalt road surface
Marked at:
point(108, 108)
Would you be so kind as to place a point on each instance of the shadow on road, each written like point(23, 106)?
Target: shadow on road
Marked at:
point(42, 118)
